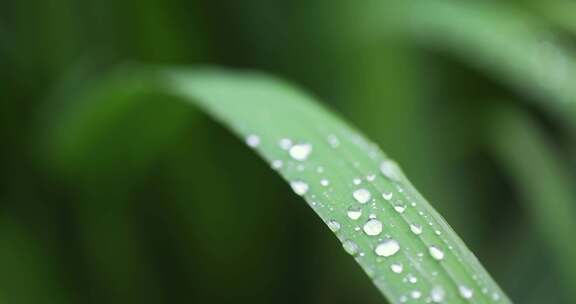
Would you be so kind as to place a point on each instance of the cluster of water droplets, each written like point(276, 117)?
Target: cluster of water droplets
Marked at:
point(361, 215)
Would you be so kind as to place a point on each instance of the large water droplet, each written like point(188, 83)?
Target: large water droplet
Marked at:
point(334, 225)
point(387, 248)
point(416, 229)
point(437, 294)
point(436, 253)
point(354, 213)
point(362, 195)
point(299, 187)
point(253, 140)
point(350, 247)
point(300, 152)
point(373, 227)
point(465, 291)
point(390, 170)
point(397, 268)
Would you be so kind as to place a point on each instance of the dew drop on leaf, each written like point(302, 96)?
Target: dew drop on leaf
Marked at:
point(253, 140)
point(285, 143)
point(437, 294)
point(387, 196)
point(387, 248)
point(465, 291)
point(300, 152)
point(299, 187)
point(415, 294)
point(436, 253)
point(324, 182)
point(390, 170)
point(362, 195)
point(416, 229)
point(372, 227)
point(354, 213)
point(334, 225)
point(277, 164)
point(397, 268)
point(400, 208)
point(350, 247)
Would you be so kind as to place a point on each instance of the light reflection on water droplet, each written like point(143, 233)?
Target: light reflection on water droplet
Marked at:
point(416, 229)
point(436, 253)
point(362, 195)
point(300, 152)
point(372, 227)
point(299, 187)
point(253, 140)
point(390, 170)
point(334, 225)
point(350, 247)
point(324, 182)
point(397, 268)
point(285, 143)
point(354, 213)
point(387, 248)
point(465, 291)
point(437, 294)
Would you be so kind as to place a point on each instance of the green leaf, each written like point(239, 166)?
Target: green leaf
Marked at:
point(401, 242)
point(542, 180)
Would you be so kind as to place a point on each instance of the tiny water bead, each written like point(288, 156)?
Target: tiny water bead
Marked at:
point(362, 195)
point(357, 181)
point(465, 291)
point(416, 294)
point(412, 279)
point(372, 227)
point(333, 141)
point(397, 268)
point(387, 196)
point(437, 294)
point(299, 187)
point(416, 229)
point(285, 143)
point(253, 140)
point(387, 248)
point(300, 152)
point(354, 213)
point(400, 208)
point(277, 164)
point(334, 225)
point(324, 182)
point(350, 247)
point(390, 170)
point(436, 253)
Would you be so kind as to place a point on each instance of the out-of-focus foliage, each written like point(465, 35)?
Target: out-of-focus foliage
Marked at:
point(178, 223)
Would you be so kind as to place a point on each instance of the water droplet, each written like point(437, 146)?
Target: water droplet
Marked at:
point(387, 248)
point(437, 294)
point(285, 143)
point(253, 140)
point(324, 182)
point(390, 170)
point(412, 279)
point(416, 229)
point(373, 227)
point(370, 177)
point(333, 141)
point(320, 169)
point(354, 213)
point(387, 196)
point(400, 208)
point(362, 195)
point(415, 294)
point(299, 187)
point(300, 152)
point(277, 164)
point(397, 268)
point(334, 225)
point(495, 296)
point(436, 253)
point(357, 181)
point(465, 291)
point(350, 247)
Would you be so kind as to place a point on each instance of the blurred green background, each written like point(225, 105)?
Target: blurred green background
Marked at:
point(162, 205)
